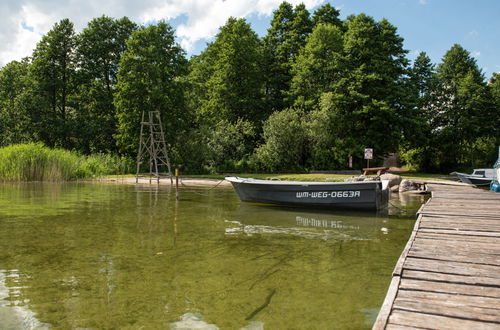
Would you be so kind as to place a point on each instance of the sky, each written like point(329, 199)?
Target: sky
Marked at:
point(432, 26)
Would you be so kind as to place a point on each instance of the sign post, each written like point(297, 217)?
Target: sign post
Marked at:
point(368, 156)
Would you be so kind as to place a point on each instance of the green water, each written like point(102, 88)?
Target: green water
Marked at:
point(109, 256)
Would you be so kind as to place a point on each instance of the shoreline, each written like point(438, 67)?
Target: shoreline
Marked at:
point(165, 181)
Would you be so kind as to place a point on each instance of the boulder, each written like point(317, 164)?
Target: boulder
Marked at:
point(394, 179)
point(408, 185)
point(395, 188)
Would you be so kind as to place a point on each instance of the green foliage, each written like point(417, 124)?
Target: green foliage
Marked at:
point(460, 110)
point(318, 66)
point(228, 145)
point(15, 118)
point(327, 14)
point(285, 142)
point(226, 77)
point(36, 162)
point(230, 108)
point(282, 44)
point(150, 79)
point(53, 76)
point(99, 49)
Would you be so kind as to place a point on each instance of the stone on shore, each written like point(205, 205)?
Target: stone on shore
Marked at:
point(408, 185)
point(393, 179)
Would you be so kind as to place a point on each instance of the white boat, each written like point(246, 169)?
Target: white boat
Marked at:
point(479, 177)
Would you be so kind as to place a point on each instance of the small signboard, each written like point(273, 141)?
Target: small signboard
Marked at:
point(368, 153)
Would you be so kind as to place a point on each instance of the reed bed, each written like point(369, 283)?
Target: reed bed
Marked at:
point(36, 162)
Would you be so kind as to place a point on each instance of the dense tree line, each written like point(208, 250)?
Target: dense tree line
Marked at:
point(310, 93)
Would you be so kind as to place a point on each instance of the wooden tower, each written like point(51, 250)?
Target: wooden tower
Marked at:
point(153, 148)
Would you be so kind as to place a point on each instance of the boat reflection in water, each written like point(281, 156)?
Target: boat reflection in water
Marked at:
point(251, 219)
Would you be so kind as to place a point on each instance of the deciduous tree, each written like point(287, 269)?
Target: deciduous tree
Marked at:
point(150, 78)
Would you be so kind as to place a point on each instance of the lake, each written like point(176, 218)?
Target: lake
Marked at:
point(107, 256)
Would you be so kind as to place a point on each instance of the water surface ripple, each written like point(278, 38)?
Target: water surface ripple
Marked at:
point(108, 256)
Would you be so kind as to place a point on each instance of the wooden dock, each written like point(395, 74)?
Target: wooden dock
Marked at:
point(448, 276)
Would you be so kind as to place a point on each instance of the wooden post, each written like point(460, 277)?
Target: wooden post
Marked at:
point(177, 184)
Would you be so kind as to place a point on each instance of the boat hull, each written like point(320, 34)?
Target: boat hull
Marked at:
point(474, 180)
point(366, 195)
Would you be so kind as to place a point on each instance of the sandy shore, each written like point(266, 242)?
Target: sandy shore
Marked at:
point(182, 181)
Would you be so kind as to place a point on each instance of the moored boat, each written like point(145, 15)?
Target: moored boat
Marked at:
point(479, 177)
point(363, 195)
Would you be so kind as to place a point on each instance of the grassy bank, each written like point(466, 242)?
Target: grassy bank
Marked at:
point(315, 176)
point(36, 162)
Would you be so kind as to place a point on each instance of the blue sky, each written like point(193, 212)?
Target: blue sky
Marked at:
point(432, 26)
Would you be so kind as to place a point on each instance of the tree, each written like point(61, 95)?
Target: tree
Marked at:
point(318, 66)
point(150, 78)
point(100, 46)
point(53, 72)
point(364, 105)
point(282, 44)
point(460, 110)
point(285, 142)
point(226, 78)
point(228, 144)
point(327, 14)
point(417, 148)
point(14, 117)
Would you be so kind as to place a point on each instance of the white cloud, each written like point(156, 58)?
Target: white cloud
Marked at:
point(25, 21)
point(423, 2)
point(476, 53)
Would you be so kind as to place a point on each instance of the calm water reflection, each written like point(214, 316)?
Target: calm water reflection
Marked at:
point(106, 256)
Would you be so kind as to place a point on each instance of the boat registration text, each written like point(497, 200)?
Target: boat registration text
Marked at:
point(328, 194)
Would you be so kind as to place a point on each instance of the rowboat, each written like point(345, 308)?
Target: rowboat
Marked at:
point(361, 195)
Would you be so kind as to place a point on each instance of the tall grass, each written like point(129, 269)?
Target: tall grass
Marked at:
point(36, 162)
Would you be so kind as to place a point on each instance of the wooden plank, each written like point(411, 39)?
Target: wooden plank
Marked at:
point(458, 232)
point(492, 241)
point(464, 219)
point(478, 245)
point(429, 321)
point(465, 247)
point(399, 265)
point(400, 327)
point(467, 258)
point(461, 226)
point(385, 310)
point(452, 288)
point(458, 302)
point(434, 211)
point(448, 275)
point(450, 278)
point(445, 308)
point(452, 267)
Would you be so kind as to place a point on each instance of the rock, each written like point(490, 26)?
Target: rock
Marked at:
point(395, 188)
point(408, 185)
point(394, 179)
